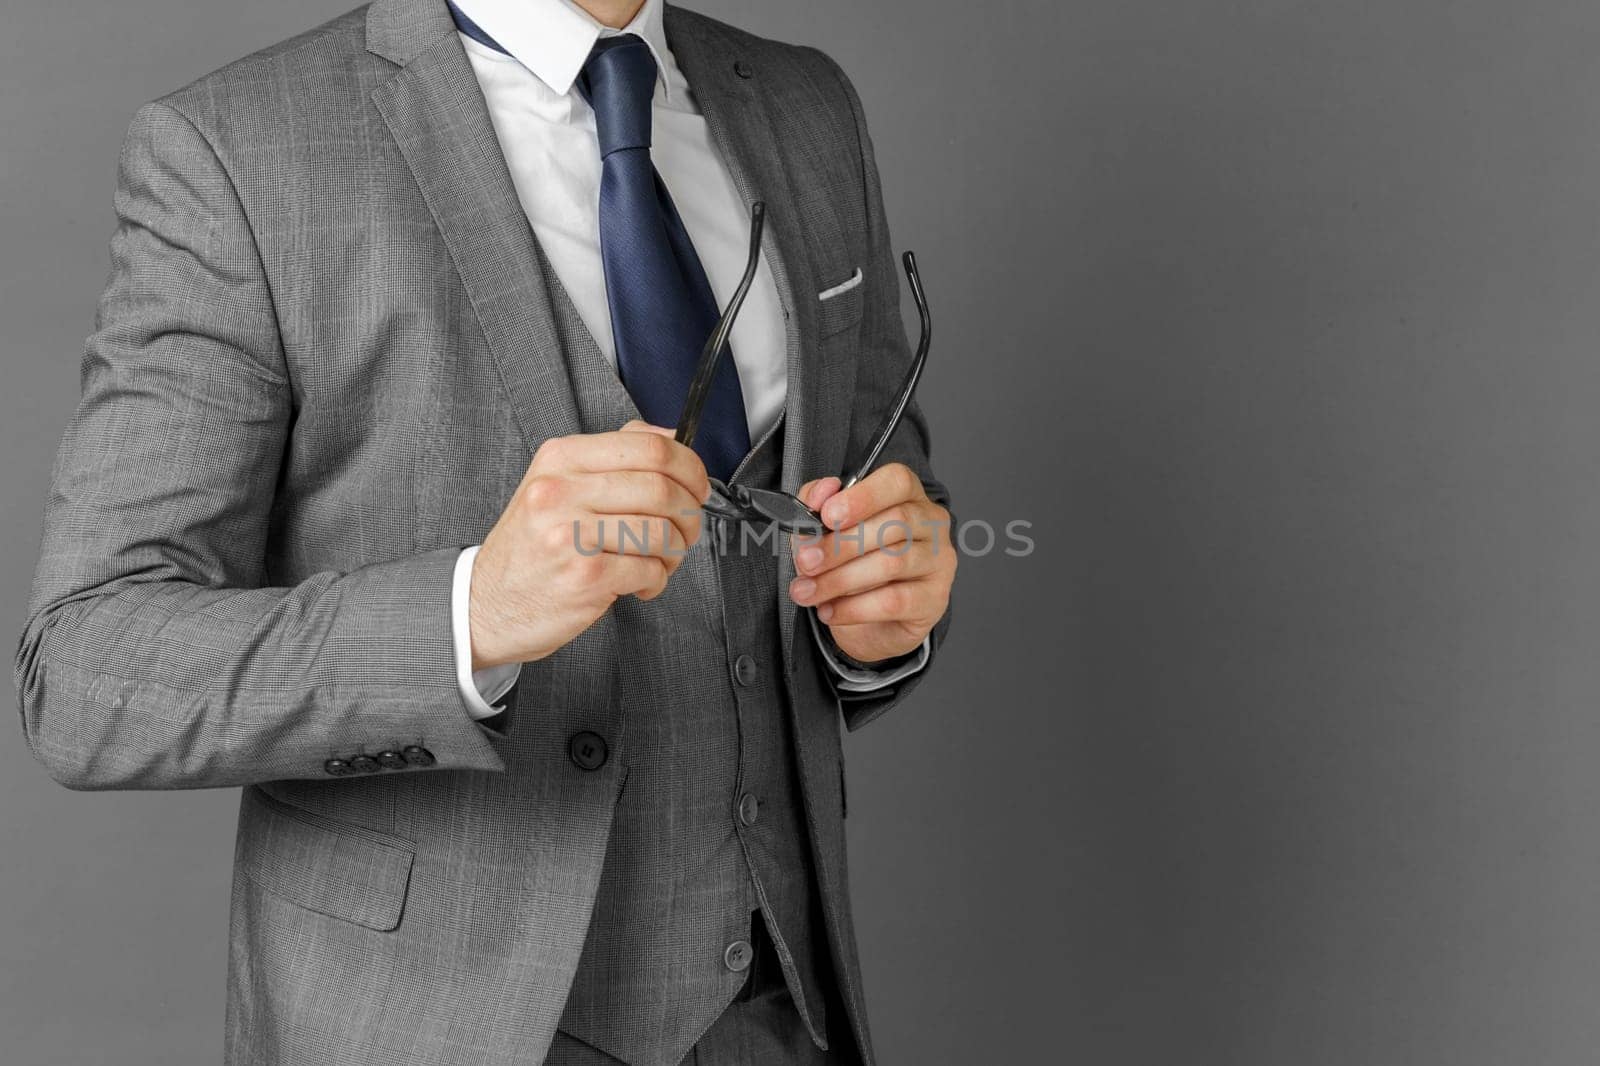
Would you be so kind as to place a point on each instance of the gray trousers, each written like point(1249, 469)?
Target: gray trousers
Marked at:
point(761, 1027)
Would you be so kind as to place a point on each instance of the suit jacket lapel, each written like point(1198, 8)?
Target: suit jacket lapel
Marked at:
point(727, 89)
point(436, 112)
point(736, 118)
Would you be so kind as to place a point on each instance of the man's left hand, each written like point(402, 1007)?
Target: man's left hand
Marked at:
point(880, 577)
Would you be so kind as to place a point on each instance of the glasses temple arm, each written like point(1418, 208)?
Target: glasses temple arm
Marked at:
point(711, 354)
point(909, 385)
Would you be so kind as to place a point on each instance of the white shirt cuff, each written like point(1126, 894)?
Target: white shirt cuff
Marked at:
point(868, 679)
point(479, 689)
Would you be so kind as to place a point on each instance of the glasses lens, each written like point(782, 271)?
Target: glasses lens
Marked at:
point(785, 511)
point(761, 507)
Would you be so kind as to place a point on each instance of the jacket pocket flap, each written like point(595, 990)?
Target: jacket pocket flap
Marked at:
point(327, 866)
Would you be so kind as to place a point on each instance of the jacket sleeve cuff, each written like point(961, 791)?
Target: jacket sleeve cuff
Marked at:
point(851, 676)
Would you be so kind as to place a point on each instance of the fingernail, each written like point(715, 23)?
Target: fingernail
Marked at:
point(810, 559)
point(818, 491)
point(801, 589)
point(834, 513)
point(825, 612)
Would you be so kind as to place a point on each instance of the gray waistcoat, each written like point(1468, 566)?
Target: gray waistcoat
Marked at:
point(710, 824)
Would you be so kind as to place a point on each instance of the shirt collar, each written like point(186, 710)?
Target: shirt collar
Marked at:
point(553, 38)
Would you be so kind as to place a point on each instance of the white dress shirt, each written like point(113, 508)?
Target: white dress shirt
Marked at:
point(547, 132)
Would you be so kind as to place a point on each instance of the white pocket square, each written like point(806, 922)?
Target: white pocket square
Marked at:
point(844, 286)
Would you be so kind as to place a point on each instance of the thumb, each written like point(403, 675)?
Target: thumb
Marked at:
point(638, 426)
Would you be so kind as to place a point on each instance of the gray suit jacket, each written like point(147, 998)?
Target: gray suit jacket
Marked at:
point(327, 350)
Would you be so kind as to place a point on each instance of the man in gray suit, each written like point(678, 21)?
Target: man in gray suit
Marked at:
point(398, 310)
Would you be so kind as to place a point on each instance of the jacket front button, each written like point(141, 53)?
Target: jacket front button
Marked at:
point(337, 767)
point(365, 764)
point(587, 750)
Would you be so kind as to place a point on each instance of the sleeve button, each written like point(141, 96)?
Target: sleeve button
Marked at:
point(416, 755)
point(365, 764)
point(337, 767)
point(391, 760)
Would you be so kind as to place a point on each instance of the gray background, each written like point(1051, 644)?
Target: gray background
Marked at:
point(1278, 320)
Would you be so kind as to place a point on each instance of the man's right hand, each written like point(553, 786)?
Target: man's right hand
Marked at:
point(556, 560)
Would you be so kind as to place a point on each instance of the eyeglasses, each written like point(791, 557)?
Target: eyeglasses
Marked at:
point(767, 506)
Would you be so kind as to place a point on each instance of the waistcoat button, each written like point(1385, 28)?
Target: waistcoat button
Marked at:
point(738, 956)
point(744, 668)
point(587, 750)
point(749, 808)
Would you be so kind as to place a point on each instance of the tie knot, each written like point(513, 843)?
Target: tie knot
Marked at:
point(619, 81)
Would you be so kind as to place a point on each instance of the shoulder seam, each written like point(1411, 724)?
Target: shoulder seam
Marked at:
point(288, 47)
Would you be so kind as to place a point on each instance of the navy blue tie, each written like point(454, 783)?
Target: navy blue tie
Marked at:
point(662, 307)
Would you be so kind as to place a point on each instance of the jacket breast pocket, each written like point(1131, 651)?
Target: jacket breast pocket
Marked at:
point(839, 306)
point(333, 868)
